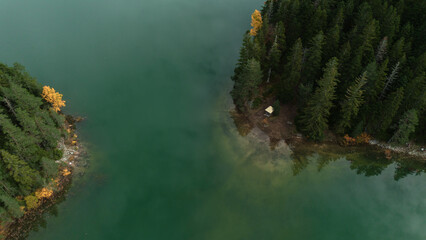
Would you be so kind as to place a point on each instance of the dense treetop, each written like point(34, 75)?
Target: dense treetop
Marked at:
point(30, 129)
point(350, 66)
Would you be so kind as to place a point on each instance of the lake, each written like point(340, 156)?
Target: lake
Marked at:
point(166, 161)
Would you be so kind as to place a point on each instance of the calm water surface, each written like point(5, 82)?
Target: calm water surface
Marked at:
point(152, 78)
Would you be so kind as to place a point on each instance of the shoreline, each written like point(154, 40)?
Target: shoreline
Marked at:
point(281, 127)
point(73, 152)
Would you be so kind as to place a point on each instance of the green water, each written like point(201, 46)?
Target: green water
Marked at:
point(152, 78)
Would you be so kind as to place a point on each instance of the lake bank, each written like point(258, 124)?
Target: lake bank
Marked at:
point(71, 164)
point(281, 127)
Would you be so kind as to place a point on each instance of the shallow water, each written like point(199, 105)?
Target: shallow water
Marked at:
point(152, 78)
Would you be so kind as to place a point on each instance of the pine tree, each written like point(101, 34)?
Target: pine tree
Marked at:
point(407, 125)
point(345, 53)
point(20, 97)
point(280, 36)
point(291, 20)
point(246, 85)
point(292, 72)
point(313, 58)
point(415, 94)
point(390, 108)
point(274, 59)
point(246, 53)
point(314, 118)
point(333, 34)
point(25, 176)
point(396, 53)
point(352, 103)
point(390, 22)
point(16, 139)
point(11, 205)
point(317, 21)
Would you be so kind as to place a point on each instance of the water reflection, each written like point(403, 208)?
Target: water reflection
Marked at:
point(364, 160)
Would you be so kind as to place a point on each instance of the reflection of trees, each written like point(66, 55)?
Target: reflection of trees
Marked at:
point(405, 168)
point(324, 161)
point(368, 168)
point(373, 163)
point(300, 162)
point(365, 162)
point(368, 163)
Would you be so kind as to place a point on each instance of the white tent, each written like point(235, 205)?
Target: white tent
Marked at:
point(269, 110)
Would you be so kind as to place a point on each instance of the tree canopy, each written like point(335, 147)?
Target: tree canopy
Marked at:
point(30, 128)
point(379, 80)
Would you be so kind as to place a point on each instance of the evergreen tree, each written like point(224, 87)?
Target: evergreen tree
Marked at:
point(274, 59)
point(415, 93)
point(314, 118)
point(280, 36)
point(246, 84)
point(292, 72)
point(351, 104)
point(21, 144)
point(390, 108)
point(407, 125)
point(11, 205)
point(313, 58)
point(246, 53)
point(25, 176)
point(333, 34)
point(390, 22)
point(385, 39)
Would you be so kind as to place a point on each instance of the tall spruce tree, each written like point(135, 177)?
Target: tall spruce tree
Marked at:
point(314, 117)
point(313, 58)
point(246, 84)
point(389, 109)
point(407, 125)
point(351, 104)
point(21, 172)
point(292, 72)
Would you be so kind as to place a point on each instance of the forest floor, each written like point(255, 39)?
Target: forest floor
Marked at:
point(70, 165)
point(282, 127)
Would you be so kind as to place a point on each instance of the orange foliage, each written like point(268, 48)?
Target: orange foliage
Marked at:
point(348, 141)
point(256, 22)
point(363, 138)
point(65, 172)
point(388, 154)
point(43, 193)
point(50, 95)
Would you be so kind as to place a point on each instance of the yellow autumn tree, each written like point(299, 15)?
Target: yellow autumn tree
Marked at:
point(44, 193)
point(256, 22)
point(51, 96)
